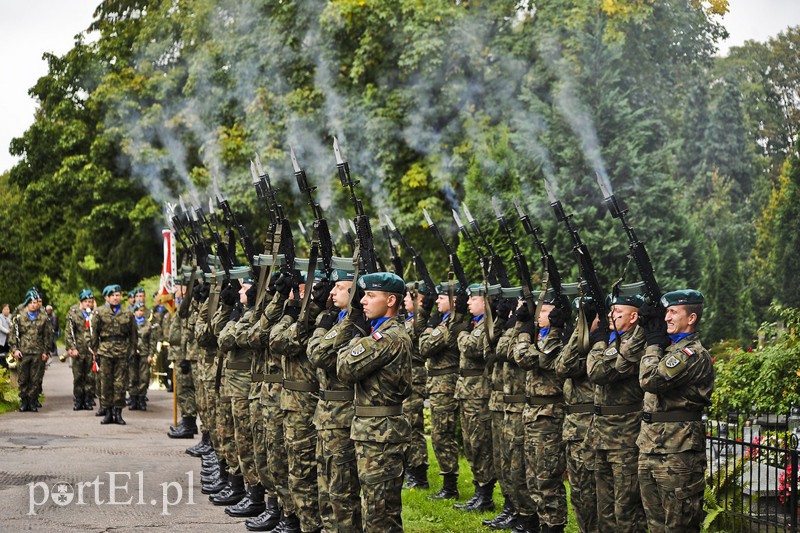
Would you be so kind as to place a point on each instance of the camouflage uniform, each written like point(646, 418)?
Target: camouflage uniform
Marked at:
point(199, 366)
point(113, 341)
point(225, 422)
point(496, 408)
point(472, 392)
point(439, 346)
point(339, 501)
point(206, 353)
point(162, 324)
point(178, 343)
point(414, 405)
point(32, 337)
point(139, 371)
point(379, 366)
point(678, 383)
point(579, 396)
point(544, 413)
point(299, 401)
point(613, 431)
point(78, 337)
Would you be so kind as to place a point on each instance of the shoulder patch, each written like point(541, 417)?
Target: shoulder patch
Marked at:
point(476, 333)
point(688, 352)
point(436, 332)
point(358, 349)
point(377, 335)
point(671, 361)
point(611, 351)
point(331, 334)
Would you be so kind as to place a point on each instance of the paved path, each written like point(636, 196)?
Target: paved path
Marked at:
point(39, 451)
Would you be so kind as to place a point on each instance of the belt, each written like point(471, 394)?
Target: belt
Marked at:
point(238, 365)
point(384, 410)
point(497, 387)
point(257, 378)
point(300, 386)
point(470, 372)
point(580, 408)
point(513, 398)
point(543, 400)
point(116, 338)
point(442, 371)
point(603, 410)
point(672, 416)
point(337, 395)
point(225, 399)
point(273, 378)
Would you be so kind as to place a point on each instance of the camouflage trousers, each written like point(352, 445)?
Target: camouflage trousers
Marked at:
point(619, 502)
point(27, 370)
point(339, 500)
point(444, 410)
point(380, 472)
point(113, 374)
point(672, 487)
point(185, 384)
point(138, 375)
point(211, 401)
point(476, 429)
point(239, 389)
point(545, 464)
point(39, 377)
point(199, 369)
point(301, 451)
point(580, 468)
point(498, 443)
point(513, 452)
point(260, 455)
point(225, 427)
point(277, 459)
point(413, 408)
point(82, 376)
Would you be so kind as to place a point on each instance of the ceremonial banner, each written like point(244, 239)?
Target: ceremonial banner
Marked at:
point(168, 272)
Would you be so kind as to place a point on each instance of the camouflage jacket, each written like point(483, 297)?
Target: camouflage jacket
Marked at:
point(189, 341)
point(680, 378)
point(578, 392)
point(473, 346)
point(379, 366)
point(175, 328)
point(513, 377)
point(256, 339)
point(439, 346)
point(541, 380)
point(31, 337)
point(615, 375)
point(233, 338)
point(495, 367)
point(415, 325)
point(114, 335)
point(323, 348)
point(204, 332)
point(144, 334)
point(78, 330)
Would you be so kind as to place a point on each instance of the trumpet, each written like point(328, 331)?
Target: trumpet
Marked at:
point(11, 361)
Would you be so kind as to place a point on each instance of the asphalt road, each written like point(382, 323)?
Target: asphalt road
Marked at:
point(61, 470)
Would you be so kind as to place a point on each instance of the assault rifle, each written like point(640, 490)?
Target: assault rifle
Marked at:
point(229, 219)
point(495, 266)
point(201, 248)
point(455, 263)
point(519, 259)
point(419, 263)
point(548, 262)
point(397, 261)
point(322, 234)
point(222, 251)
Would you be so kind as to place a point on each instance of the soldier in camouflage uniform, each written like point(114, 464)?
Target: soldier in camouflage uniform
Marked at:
point(472, 392)
point(139, 364)
point(29, 342)
point(579, 397)
point(416, 320)
point(677, 376)
point(545, 459)
point(179, 339)
point(438, 344)
point(379, 367)
point(299, 401)
point(77, 339)
point(339, 501)
point(613, 368)
point(114, 342)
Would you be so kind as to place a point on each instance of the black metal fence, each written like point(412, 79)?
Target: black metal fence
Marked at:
point(752, 472)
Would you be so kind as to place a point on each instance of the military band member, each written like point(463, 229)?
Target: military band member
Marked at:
point(29, 342)
point(77, 340)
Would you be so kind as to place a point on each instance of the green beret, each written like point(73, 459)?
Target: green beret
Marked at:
point(30, 296)
point(550, 298)
point(682, 297)
point(138, 305)
point(85, 294)
point(138, 290)
point(444, 287)
point(339, 274)
point(576, 303)
point(419, 286)
point(634, 300)
point(248, 281)
point(511, 292)
point(477, 289)
point(382, 281)
point(111, 289)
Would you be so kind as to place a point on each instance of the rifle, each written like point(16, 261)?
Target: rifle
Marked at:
point(304, 232)
point(222, 250)
point(369, 260)
point(548, 262)
point(497, 269)
point(195, 247)
point(348, 236)
point(584, 260)
point(419, 263)
point(637, 250)
point(229, 219)
point(475, 248)
point(322, 234)
point(519, 260)
point(397, 261)
point(455, 263)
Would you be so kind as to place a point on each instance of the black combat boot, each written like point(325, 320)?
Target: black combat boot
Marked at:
point(33, 404)
point(109, 416)
point(449, 490)
point(118, 416)
point(88, 402)
point(552, 529)
point(467, 504)
point(133, 403)
point(251, 505)
point(209, 467)
point(268, 520)
point(526, 524)
point(77, 403)
point(485, 501)
point(505, 520)
point(288, 524)
point(24, 404)
point(417, 478)
point(219, 484)
point(101, 411)
point(232, 494)
point(202, 447)
point(208, 460)
point(185, 430)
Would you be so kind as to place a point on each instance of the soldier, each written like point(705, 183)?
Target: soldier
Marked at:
point(677, 376)
point(613, 368)
point(472, 392)
point(379, 367)
point(416, 321)
point(139, 295)
point(339, 501)
point(579, 397)
point(78, 338)
point(139, 364)
point(114, 342)
point(182, 365)
point(545, 459)
point(438, 344)
point(39, 376)
point(131, 299)
point(30, 339)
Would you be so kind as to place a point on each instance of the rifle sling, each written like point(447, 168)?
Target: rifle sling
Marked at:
point(356, 259)
point(312, 267)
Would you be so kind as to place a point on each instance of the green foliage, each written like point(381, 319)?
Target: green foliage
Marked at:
point(722, 491)
point(9, 394)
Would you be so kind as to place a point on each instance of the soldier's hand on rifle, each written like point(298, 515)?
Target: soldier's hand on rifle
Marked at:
point(327, 320)
point(356, 303)
point(185, 366)
point(523, 314)
point(229, 295)
point(428, 301)
point(461, 303)
point(292, 309)
point(321, 292)
point(590, 312)
point(558, 317)
point(360, 322)
point(504, 308)
point(251, 295)
point(236, 314)
point(283, 285)
point(200, 293)
point(271, 289)
point(651, 318)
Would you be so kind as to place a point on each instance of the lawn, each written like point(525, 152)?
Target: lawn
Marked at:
point(438, 516)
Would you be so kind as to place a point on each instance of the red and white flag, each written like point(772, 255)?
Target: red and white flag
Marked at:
point(168, 272)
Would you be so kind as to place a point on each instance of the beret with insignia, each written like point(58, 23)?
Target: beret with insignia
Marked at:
point(382, 281)
point(682, 297)
point(111, 289)
point(420, 287)
point(444, 287)
point(30, 296)
point(339, 274)
point(634, 300)
point(137, 306)
point(85, 294)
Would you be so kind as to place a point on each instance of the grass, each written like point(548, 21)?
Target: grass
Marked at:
point(421, 515)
